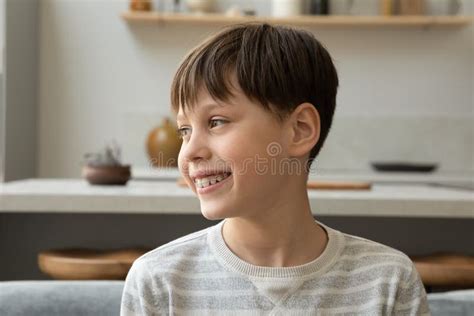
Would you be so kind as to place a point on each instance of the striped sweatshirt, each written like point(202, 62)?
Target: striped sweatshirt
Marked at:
point(199, 275)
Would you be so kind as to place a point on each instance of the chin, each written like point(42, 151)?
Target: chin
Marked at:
point(214, 212)
point(212, 215)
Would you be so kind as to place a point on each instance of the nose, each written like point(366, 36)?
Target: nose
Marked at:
point(195, 149)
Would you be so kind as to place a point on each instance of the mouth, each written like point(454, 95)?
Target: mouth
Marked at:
point(211, 180)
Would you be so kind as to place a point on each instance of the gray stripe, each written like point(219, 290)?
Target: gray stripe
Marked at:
point(338, 300)
point(348, 265)
point(350, 280)
point(207, 284)
point(154, 304)
point(189, 266)
point(223, 303)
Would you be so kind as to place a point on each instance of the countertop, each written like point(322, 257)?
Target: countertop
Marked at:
point(164, 196)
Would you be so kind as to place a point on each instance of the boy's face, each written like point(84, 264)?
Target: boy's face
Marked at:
point(238, 137)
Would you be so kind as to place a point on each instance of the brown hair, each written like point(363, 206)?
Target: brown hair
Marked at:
point(276, 66)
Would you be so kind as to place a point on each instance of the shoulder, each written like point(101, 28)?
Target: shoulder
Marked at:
point(383, 278)
point(360, 244)
point(364, 255)
point(146, 285)
point(188, 247)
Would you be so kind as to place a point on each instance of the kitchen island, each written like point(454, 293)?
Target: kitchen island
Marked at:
point(37, 214)
point(166, 197)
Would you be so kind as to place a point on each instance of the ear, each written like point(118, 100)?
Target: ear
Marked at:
point(304, 130)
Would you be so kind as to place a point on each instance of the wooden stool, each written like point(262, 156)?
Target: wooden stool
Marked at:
point(88, 264)
point(446, 270)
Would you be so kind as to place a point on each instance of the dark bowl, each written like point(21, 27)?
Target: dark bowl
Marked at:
point(396, 166)
point(106, 175)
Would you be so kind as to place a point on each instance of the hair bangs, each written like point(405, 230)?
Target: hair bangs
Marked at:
point(209, 66)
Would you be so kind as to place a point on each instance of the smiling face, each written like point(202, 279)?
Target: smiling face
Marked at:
point(239, 142)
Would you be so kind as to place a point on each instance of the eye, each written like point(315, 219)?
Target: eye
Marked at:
point(183, 132)
point(216, 122)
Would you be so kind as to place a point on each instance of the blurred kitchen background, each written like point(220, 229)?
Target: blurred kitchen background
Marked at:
point(75, 74)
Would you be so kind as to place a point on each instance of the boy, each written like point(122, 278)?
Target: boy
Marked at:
point(254, 104)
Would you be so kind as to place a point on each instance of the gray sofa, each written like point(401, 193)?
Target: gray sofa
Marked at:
point(51, 298)
point(71, 298)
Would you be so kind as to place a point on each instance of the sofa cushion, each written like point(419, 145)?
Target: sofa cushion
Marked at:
point(50, 298)
point(453, 303)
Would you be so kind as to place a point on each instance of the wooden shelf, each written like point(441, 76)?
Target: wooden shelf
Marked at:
point(303, 20)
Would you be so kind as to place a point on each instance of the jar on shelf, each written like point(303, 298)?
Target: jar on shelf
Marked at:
point(140, 5)
point(285, 8)
point(319, 7)
point(447, 7)
point(163, 145)
point(200, 6)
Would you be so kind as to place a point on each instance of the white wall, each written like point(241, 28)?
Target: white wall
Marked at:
point(405, 93)
point(19, 90)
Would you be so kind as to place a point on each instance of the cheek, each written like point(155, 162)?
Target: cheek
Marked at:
point(183, 165)
point(180, 160)
point(250, 161)
point(262, 163)
point(183, 169)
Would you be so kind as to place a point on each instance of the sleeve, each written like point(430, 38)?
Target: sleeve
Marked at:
point(139, 293)
point(411, 296)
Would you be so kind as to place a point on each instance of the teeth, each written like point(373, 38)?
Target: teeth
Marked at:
point(205, 182)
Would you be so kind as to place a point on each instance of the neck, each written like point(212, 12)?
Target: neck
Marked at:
point(284, 235)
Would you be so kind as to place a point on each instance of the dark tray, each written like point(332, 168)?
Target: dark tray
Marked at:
point(404, 166)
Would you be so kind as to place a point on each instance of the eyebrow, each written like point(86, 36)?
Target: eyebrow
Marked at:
point(209, 106)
